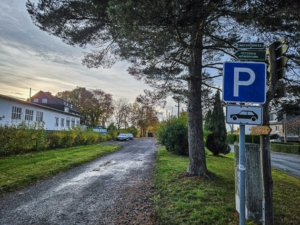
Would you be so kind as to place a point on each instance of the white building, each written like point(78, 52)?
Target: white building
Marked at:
point(58, 116)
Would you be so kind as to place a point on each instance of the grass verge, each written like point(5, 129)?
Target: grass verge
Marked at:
point(21, 170)
point(180, 199)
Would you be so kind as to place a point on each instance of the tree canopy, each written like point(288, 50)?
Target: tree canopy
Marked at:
point(95, 106)
point(172, 45)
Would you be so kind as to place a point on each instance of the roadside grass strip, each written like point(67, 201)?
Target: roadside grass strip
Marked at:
point(21, 170)
point(181, 199)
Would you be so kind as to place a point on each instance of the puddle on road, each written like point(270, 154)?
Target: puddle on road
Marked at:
point(83, 178)
point(107, 163)
point(104, 164)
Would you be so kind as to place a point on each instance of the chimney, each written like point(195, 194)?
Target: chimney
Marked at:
point(30, 95)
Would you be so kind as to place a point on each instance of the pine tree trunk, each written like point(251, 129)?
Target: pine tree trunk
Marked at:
point(197, 166)
point(266, 169)
point(265, 142)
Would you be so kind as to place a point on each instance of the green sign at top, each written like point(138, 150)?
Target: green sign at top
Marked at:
point(247, 45)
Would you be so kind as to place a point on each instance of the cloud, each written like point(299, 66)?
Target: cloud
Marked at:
point(30, 58)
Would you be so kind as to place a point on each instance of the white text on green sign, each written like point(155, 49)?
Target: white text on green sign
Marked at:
point(250, 55)
point(245, 45)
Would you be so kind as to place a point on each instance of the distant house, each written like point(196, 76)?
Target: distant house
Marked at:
point(276, 122)
point(47, 99)
point(276, 119)
point(55, 113)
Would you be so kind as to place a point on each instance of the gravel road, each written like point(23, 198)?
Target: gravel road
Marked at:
point(95, 193)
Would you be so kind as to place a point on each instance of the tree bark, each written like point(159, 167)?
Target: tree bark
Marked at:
point(267, 176)
point(265, 140)
point(197, 166)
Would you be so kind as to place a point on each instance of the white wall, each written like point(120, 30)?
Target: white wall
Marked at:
point(49, 115)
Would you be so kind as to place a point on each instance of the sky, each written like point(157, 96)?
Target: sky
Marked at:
point(31, 58)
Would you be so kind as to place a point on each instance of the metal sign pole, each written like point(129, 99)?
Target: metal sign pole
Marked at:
point(242, 169)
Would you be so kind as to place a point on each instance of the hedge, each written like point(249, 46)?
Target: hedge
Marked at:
point(23, 138)
point(231, 138)
point(292, 149)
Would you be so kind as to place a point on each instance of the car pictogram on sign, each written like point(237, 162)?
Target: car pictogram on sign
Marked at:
point(245, 114)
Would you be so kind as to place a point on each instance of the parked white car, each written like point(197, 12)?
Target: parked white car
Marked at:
point(123, 137)
point(130, 135)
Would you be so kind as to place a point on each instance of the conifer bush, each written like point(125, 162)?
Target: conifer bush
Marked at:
point(215, 123)
point(173, 134)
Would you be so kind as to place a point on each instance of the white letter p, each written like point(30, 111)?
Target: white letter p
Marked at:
point(237, 82)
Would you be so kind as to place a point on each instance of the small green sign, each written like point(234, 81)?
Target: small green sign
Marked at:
point(246, 45)
point(251, 55)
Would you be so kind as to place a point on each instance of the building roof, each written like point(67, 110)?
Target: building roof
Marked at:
point(36, 105)
point(54, 102)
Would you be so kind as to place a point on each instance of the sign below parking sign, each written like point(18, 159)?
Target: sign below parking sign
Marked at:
point(244, 82)
point(236, 114)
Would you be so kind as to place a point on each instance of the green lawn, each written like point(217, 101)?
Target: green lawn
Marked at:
point(180, 199)
point(21, 170)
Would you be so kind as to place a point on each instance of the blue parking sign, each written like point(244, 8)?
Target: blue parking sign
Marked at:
point(244, 82)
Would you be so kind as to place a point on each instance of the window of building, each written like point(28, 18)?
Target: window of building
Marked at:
point(276, 128)
point(29, 114)
point(73, 122)
point(44, 100)
point(36, 100)
point(272, 116)
point(56, 121)
point(62, 122)
point(16, 113)
point(68, 122)
point(77, 122)
point(39, 116)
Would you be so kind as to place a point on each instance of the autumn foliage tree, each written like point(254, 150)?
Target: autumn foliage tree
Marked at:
point(95, 106)
point(146, 114)
point(122, 111)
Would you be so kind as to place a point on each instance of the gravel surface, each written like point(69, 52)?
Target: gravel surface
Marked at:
point(115, 189)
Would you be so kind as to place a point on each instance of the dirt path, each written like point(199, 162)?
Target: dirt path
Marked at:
point(114, 189)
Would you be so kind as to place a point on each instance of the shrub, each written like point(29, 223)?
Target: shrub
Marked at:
point(292, 149)
point(216, 146)
point(255, 139)
point(101, 138)
point(113, 134)
point(249, 138)
point(173, 134)
point(53, 140)
point(108, 137)
point(22, 138)
point(205, 134)
point(132, 130)
point(231, 138)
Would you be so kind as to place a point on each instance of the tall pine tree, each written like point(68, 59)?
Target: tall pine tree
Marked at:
point(207, 120)
point(216, 141)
